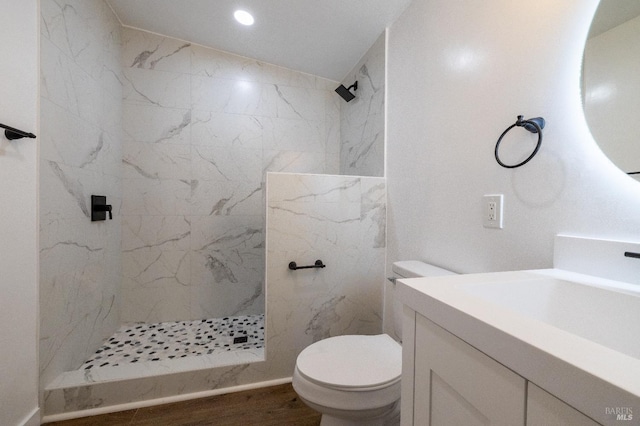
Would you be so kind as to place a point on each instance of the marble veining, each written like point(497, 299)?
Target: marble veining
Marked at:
point(74, 188)
point(81, 153)
point(92, 155)
point(362, 119)
point(337, 219)
point(183, 140)
point(302, 306)
point(325, 316)
point(284, 99)
point(203, 128)
point(172, 131)
point(140, 61)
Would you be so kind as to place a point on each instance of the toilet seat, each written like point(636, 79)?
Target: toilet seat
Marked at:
point(352, 363)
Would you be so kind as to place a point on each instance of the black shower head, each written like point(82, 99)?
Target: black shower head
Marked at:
point(346, 92)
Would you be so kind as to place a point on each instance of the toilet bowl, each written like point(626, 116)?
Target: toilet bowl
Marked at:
point(354, 379)
point(351, 380)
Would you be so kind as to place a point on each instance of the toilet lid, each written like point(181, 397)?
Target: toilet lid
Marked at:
point(352, 361)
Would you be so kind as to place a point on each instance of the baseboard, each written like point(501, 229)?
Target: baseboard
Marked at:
point(158, 401)
point(32, 419)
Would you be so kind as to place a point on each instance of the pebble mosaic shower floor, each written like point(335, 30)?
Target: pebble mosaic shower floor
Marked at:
point(169, 340)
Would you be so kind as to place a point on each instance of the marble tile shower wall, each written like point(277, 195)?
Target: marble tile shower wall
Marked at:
point(80, 154)
point(201, 129)
point(362, 120)
point(340, 219)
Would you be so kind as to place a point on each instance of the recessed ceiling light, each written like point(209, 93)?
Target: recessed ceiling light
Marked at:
point(243, 17)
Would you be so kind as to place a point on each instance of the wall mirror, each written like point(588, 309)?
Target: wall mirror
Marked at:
point(611, 82)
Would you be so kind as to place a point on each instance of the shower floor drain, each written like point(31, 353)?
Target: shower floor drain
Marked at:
point(169, 340)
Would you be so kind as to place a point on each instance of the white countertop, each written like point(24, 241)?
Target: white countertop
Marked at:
point(586, 353)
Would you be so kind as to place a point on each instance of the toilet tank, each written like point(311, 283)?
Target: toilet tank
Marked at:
point(410, 269)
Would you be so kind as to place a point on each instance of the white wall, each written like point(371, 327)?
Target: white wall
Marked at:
point(459, 73)
point(18, 214)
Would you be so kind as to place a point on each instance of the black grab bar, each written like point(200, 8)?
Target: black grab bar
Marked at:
point(12, 133)
point(293, 266)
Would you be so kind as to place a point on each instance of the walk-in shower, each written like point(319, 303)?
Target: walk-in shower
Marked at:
point(168, 297)
point(177, 139)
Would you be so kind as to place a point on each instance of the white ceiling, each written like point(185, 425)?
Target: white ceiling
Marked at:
point(321, 37)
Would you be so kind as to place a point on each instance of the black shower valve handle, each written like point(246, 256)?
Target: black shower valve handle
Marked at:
point(104, 208)
point(99, 208)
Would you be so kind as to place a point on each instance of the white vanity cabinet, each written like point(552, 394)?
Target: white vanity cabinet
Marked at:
point(449, 382)
point(544, 409)
point(540, 347)
point(455, 384)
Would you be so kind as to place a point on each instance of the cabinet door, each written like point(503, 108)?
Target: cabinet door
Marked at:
point(455, 384)
point(544, 409)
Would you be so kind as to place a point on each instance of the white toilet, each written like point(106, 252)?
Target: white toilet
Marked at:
point(355, 380)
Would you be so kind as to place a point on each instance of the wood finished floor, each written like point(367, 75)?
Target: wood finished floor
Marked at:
point(272, 406)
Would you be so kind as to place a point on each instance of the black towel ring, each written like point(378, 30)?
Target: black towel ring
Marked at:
point(534, 125)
